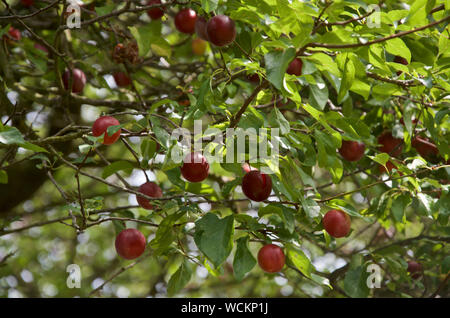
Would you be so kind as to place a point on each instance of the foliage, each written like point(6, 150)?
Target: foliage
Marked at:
point(64, 196)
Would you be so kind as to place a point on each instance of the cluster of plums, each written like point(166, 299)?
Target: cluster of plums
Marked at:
point(220, 30)
point(257, 186)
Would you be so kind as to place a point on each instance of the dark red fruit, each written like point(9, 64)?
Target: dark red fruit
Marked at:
point(130, 243)
point(337, 223)
point(155, 13)
point(415, 269)
point(352, 150)
point(271, 258)
point(400, 60)
point(426, 149)
point(195, 167)
point(100, 127)
point(221, 30)
point(14, 34)
point(295, 67)
point(152, 190)
point(185, 21)
point(256, 185)
point(389, 144)
point(254, 78)
point(200, 28)
point(122, 79)
point(78, 80)
point(27, 3)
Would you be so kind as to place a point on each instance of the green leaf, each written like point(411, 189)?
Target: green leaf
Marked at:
point(311, 207)
point(209, 5)
point(276, 65)
point(111, 130)
point(148, 148)
point(355, 282)
point(12, 136)
point(298, 258)
point(381, 158)
point(398, 207)
point(165, 234)
point(213, 236)
point(3, 177)
point(396, 46)
point(277, 119)
point(243, 259)
point(348, 69)
point(319, 92)
point(116, 166)
point(179, 279)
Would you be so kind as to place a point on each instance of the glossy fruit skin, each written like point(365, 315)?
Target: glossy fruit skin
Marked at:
point(415, 269)
point(195, 167)
point(400, 60)
point(426, 149)
point(14, 34)
point(352, 150)
point(198, 47)
point(122, 79)
point(152, 190)
point(295, 67)
point(337, 223)
point(257, 186)
point(221, 30)
point(200, 28)
point(185, 21)
point(155, 13)
point(100, 127)
point(27, 3)
point(271, 258)
point(130, 243)
point(389, 143)
point(78, 80)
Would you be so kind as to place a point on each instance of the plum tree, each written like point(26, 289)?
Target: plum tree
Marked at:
point(311, 88)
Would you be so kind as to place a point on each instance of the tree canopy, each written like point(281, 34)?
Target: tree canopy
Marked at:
point(351, 99)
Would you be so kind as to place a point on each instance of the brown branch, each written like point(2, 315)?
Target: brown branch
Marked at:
point(387, 38)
